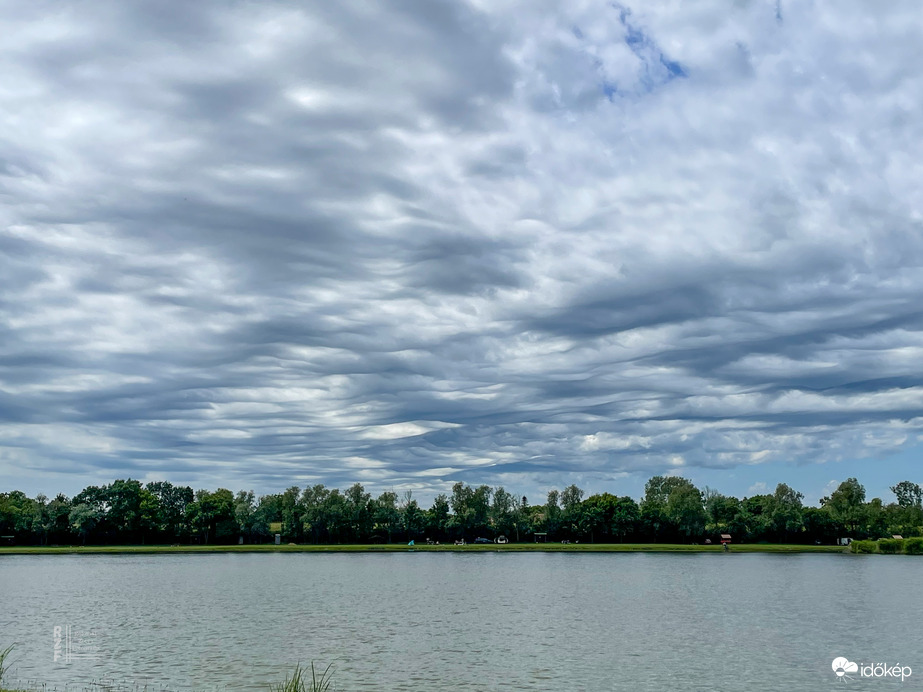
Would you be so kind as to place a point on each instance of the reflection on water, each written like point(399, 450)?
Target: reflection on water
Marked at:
point(448, 621)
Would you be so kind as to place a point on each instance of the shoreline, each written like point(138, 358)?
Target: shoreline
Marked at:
point(402, 548)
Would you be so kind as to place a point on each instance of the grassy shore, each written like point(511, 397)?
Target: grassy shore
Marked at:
point(510, 547)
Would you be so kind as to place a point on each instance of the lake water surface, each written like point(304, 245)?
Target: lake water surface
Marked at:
point(463, 621)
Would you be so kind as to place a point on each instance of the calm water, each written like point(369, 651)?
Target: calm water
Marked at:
point(457, 621)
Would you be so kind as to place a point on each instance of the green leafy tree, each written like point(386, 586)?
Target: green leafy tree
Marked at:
point(172, 502)
point(438, 518)
point(292, 515)
point(907, 517)
point(908, 494)
point(847, 504)
point(720, 511)
point(244, 511)
point(786, 512)
point(876, 519)
point(480, 509)
point(412, 518)
point(502, 511)
point(83, 519)
point(387, 515)
point(626, 517)
point(461, 501)
point(686, 510)
point(570, 500)
point(358, 512)
point(553, 513)
point(819, 526)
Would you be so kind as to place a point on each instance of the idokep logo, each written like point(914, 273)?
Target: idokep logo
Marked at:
point(842, 667)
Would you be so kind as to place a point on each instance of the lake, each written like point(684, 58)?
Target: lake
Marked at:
point(462, 621)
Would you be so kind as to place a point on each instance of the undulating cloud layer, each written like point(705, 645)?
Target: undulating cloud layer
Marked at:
point(414, 242)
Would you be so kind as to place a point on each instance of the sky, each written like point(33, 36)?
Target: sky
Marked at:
point(414, 242)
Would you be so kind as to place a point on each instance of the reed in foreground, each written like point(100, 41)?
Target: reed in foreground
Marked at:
point(299, 681)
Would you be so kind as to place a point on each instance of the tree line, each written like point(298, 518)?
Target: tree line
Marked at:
point(672, 510)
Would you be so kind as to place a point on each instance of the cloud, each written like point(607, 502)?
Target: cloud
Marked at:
point(426, 242)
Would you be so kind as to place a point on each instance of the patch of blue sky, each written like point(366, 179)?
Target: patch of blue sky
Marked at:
point(658, 68)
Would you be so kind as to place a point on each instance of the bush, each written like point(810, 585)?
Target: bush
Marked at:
point(864, 546)
point(890, 546)
point(913, 546)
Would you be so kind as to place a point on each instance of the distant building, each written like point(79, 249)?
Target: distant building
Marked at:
point(725, 538)
point(897, 536)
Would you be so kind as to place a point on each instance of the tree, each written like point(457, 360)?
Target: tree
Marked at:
point(212, 515)
point(786, 513)
point(570, 509)
point(15, 514)
point(292, 515)
point(605, 515)
point(83, 519)
point(39, 523)
point(502, 511)
point(819, 525)
point(672, 505)
point(462, 512)
point(244, 508)
point(148, 514)
point(552, 513)
point(656, 519)
point(846, 504)
point(876, 519)
point(58, 524)
point(172, 501)
point(720, 510)
point(480, 509)
point(338, 515)
point(412, 518)
point(387, 515)
point(756, 515)
point(626, 517)
point(908, 494)
point(686, 510)
point(358, 512)
point(437, 518)
point(593, 519)
point(908, 516)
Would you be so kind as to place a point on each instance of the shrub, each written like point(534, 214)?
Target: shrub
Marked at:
point(864, 546)
point(913, 546)
point(890, 546)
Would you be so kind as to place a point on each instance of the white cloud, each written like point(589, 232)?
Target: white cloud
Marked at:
point(489, 241)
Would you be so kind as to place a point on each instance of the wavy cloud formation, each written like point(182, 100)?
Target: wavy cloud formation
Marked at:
point(411, 243)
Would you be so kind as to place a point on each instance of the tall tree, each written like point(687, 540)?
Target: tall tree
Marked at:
point(847, 504)
point(553, 512)
point(501, 511)
point(437, 518)
point(412, 518)
point(387, 516)
point(358, 512)
point(686, 509)
point(786, 514)
point(244, 509)
point(626, 517)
